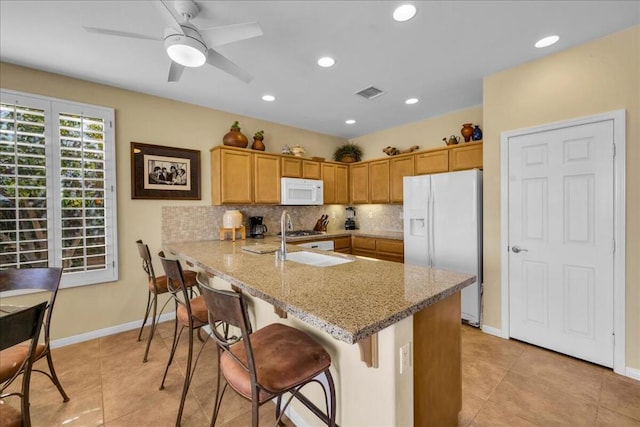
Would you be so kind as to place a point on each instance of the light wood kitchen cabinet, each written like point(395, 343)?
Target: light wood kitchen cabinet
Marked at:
point(342, 244)
point(432, 162)
point(231, 176)
point(466, 157)
point(336, 183)
point(359, 183)
point(379, 181)
point(291, 167)
point(311, 169)
point(379, 248)
point(398, 169)
point(242, 177)
point(266, 179)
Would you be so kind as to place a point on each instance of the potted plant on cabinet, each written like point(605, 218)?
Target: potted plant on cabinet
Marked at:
point(258, 137)
point(348, 153)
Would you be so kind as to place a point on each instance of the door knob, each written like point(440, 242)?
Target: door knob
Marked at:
point(518, 249)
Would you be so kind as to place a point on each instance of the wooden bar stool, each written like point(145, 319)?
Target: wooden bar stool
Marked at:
point(267, 363)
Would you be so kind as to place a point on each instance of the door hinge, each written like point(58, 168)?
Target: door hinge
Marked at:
point(613, 150)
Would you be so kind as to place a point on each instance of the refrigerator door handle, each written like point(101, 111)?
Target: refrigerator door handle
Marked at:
point(431, 242)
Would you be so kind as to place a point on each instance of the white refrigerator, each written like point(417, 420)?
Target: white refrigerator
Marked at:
point(443, 228)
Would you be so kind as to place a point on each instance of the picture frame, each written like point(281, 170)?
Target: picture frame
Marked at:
point(160, 172)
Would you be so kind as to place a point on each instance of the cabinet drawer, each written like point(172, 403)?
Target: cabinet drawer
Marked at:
point(395, 247)
point(342, 243)
point(364, 243)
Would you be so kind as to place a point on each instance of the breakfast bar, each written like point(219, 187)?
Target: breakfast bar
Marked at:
point(408, 317)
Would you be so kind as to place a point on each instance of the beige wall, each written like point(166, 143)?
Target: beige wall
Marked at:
point(426, 133)
point(151, 120)
point(596, 77)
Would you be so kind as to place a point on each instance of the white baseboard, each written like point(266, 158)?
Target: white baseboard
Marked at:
point(632, 373)
point(493, 331)
point(106, 331)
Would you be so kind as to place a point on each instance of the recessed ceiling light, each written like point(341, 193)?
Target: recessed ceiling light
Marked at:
point(268, 98)
point(350, 121)
point(326, 61)
point(411, 101)
point(404, 12)
point(547, 41)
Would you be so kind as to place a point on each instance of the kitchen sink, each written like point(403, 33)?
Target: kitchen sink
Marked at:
point(316, 260)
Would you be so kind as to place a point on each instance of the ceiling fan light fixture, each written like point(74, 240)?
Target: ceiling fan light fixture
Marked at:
point(185, 50)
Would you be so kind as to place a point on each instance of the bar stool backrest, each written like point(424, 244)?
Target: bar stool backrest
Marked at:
point(175, 282)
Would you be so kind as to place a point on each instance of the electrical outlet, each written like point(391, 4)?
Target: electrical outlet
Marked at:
point(405, 358)
point(333, 215)
point(401, 215)
point(370, 214)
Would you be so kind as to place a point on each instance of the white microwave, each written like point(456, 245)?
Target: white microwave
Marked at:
point(296, 191)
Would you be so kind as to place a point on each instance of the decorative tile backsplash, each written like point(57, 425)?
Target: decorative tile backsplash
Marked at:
point(184, 223)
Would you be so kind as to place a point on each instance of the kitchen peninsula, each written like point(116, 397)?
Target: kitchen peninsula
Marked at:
point(394, 308)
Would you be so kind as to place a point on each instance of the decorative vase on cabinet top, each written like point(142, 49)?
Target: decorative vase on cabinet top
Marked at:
point(477, 133)
point(466, 131)
point(235, 138)
point(258, 144)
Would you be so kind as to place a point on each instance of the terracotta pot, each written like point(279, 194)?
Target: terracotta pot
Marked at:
point(235, 138)
point(258, 144)
point(467, 131)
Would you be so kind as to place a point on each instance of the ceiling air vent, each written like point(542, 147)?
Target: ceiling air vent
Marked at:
point(370, 92)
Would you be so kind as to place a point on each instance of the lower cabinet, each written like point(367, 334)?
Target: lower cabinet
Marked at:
point(374, 247)
point(342, 244)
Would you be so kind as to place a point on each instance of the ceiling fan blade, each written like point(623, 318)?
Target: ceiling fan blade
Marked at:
point(170, 19)
point(118, 33)
point(219, 61)
point(218, 36)
point(175, 71)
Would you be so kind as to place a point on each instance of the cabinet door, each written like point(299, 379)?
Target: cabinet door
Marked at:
point(231, 181)
point(360, 183)
point(342, 244)
point(342, 184)
point(329, 183)
point(390, 250)
point(432, 162)
point(311, 169)
point(398, 168)
point(379, 181)
point(466, 157)
point(292, 167)
point(266, 179)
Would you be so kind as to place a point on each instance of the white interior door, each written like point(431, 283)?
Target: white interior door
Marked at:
point(561, 240)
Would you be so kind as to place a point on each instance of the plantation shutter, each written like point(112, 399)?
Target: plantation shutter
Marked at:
point(57, 200)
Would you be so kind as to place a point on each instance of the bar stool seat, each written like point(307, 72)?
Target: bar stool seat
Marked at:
point(287, 358)
point(161, 282)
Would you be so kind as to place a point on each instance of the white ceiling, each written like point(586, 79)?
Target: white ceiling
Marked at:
point(440, 56)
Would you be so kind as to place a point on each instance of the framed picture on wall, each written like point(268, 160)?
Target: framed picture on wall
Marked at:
point(159, 172)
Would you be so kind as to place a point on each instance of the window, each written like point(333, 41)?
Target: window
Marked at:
point(57, 188)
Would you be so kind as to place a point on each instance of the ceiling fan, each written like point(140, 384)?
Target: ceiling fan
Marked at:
point(188, 46)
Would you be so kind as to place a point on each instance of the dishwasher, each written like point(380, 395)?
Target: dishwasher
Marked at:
point(323, 245)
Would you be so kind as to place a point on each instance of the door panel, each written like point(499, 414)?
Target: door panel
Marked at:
point(561, 217)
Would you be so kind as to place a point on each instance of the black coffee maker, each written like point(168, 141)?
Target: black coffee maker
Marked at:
point(256, 227)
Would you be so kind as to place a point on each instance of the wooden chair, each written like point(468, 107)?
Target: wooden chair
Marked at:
point(191, 313)
point(17, 328)
point(156, 285)
point(267, 363)
point(44, 279)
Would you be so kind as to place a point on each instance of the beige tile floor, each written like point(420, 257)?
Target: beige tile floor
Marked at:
point(505, 383)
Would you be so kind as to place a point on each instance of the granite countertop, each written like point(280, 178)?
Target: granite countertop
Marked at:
point(350, 301)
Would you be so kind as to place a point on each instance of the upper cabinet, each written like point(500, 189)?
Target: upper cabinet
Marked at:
point(242, 177)
point(311, 169)
point(467, 156)
point(359, 182)
point(296, 167)
point(336, 183)
point(431, 162)
point(399, 168)
point(379, 181)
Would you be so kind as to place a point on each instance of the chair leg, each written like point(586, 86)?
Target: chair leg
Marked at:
point(219, 395)
point(331, 402)
point(187, 378)
point(154, 303)
point(54, 377)
point(146, 314)
point(174, 345)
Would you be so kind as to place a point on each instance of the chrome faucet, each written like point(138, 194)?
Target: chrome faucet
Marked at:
point(285, 223)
